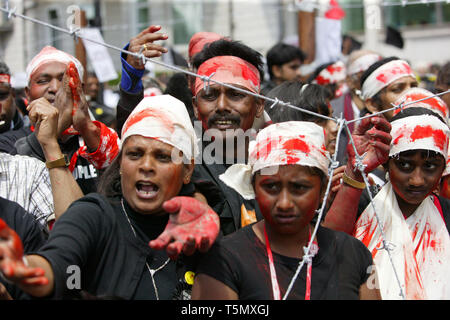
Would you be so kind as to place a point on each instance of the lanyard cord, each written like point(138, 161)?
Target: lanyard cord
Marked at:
point(273, 273)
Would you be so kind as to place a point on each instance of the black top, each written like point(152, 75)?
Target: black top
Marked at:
point(95, 235)
point(240, 261)
point(224, 200)
point(445, 205)
point(28, 230)
point(84, 173)
point(9, 138)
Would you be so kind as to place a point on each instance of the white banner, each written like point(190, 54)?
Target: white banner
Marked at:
point(98, 55)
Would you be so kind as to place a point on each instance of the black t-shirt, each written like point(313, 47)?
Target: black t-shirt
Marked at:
point(240, 261)
point(224, 200)
point(95, 236)
point(28, 230)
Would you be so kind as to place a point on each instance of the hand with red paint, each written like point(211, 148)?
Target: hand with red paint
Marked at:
point(80, 108)
point(192, 226)
point(372, 140)
point(145, 40)
point(12, 264)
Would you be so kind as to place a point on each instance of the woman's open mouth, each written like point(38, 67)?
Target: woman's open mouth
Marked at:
point(146, 189)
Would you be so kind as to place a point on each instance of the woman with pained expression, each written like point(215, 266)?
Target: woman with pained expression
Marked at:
point(145, 203)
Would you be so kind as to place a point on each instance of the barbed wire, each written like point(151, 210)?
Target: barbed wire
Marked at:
point(76, 33)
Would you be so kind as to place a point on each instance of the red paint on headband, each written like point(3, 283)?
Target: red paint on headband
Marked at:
point(5, 78)
point(146, 113)
point(231, 70)
point(384, 77)
point(432, 102)
point(422, 132)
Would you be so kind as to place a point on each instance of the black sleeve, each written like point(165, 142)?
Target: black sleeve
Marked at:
point(363, 257)
point(73, 240)
point(127, 103)
point(219, 264)
point(445, 205)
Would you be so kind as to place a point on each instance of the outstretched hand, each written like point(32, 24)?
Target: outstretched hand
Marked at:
point(192, 226)
point(12, 264)
point(145, 40)
point(372, 144)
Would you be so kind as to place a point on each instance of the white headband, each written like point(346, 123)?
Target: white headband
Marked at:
point(434, 104)
point(166, 119)
point(363, 63)
point(384, 76)
point(285, 143)
point(51, 54)
point(424, 132)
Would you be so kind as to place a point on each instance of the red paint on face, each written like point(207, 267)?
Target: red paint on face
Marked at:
point(153, 113)
point(289, 198)
point(445, 189)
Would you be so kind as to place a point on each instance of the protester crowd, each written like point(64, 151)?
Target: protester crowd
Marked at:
point(204, 190)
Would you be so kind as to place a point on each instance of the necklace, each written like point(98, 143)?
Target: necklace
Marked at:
point(151, 271)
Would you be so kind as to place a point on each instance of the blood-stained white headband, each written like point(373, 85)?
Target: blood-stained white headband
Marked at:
point(433, 102)
point(51, 54)
point(423, 132)
point(384, 76)
point(166, 119)
point(363, 63)
point(285, 143)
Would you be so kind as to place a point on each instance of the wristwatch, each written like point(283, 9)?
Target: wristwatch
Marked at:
point(61, 162)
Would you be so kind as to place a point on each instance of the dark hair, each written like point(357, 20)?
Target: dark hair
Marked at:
point(282, 53)
point(178, 87)
point(443, 75)
point(313, 98)
point(4, 69)
point(374, 67)
point(416, 111)
point(109, 184)
point(224, 47)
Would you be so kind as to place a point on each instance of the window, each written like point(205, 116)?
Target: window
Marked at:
point(55, 36)
point(187, 19)
point(354, 15)
point(396, 15)
point(143, 13)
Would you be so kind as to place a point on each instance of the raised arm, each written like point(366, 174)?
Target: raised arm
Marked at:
point(131, 89)
point(372, 139)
